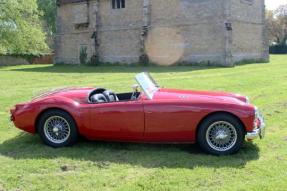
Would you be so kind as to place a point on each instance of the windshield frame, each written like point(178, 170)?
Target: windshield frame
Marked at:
point(147, 84)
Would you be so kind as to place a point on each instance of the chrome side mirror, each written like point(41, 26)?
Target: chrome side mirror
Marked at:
point(135, 88)
point(135, 91)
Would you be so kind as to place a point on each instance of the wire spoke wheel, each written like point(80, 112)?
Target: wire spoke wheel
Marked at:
point(221, 136)
point(57, 129)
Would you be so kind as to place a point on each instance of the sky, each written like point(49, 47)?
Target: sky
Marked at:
point(273, 4)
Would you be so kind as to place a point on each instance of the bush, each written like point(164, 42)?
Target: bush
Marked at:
point(83, 55)
point(144, 60)
point(278, 49)
point(94, 61)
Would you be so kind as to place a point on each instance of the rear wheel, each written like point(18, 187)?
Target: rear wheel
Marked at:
point(57, 128)
point(221, 134)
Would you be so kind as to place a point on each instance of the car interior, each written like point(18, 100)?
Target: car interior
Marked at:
point(101, 95)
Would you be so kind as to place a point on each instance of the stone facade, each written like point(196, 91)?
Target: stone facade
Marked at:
point(214, 32)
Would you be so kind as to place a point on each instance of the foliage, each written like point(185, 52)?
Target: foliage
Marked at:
point(21, 28)
point(144, 60)
point(278, 48)
point(276, 22)
point(26, 164)
point(83, 55)
point(94, 60)
point(49, 10)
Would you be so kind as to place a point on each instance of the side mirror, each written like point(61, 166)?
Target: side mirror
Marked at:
point(135, 87)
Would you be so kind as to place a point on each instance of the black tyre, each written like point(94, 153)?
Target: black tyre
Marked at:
point(220, 134)
point(57, 128)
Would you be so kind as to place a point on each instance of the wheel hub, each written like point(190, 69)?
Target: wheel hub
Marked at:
point(57, 129)
point(221, 136)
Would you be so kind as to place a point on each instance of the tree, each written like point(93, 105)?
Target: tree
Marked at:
point(276, 22)
point(49, 10)
point(48, 7)
point(20, 28)
point(281, 15)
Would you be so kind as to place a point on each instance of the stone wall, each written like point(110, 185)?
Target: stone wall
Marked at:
point(17, 60)
point(249, 40)
point(193, 31)
point(11, 61)
point(200, 24)
point(119, 32)
point(73, 32)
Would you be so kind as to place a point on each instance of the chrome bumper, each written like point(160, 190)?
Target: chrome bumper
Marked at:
point(260, 132)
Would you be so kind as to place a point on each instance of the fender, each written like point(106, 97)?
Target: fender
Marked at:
point(26, 115)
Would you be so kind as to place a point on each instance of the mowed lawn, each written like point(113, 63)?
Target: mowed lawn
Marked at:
point(27, 164)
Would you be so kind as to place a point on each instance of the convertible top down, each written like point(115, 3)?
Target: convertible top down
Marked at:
point(219, 122)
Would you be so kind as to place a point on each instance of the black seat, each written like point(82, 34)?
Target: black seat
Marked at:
point(99, 98)
point(111, 96)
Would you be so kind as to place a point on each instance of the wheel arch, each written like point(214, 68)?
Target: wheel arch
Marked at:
point(49, 109)
point(216, 113)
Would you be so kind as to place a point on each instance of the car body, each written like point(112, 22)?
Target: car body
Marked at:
point(155, 115)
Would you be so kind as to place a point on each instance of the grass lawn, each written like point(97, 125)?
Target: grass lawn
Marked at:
point(26, 164)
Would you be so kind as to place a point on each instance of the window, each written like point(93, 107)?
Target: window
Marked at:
point(118, 4)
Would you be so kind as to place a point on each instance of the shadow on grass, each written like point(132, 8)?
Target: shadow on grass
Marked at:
point(110, 69)
point(103, 154)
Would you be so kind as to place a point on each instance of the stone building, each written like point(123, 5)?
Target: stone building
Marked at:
point(215, 32)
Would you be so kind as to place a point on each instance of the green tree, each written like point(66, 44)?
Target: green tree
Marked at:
point(276, 22)
point(21, 30)
point(49, 9)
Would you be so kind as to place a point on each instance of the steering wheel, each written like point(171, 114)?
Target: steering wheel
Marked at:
point(94, 92)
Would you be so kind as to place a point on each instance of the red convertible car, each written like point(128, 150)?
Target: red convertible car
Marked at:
point(218, 122)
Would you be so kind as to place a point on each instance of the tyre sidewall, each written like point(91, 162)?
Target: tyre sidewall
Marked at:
point(201, 136)
point(73, 128)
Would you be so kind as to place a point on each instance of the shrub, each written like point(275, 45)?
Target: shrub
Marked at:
point(83, 55)
point(144, 60)
point(278, 49)
point(94, 60)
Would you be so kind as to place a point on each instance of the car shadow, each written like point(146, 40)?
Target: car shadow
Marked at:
point(102, 154)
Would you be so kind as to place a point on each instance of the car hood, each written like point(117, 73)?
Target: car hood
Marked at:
point(77, 94)
point(200, 96)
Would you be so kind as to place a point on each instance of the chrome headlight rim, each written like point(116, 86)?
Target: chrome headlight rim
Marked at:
point(257, 116)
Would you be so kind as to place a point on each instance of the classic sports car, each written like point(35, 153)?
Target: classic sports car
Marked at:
point(218, 122)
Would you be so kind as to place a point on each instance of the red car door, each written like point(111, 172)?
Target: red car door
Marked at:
point(117, 120)
point(170, 121)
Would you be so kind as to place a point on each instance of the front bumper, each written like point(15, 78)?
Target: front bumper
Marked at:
point(259, 132)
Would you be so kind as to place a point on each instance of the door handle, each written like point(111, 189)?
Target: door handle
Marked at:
point(148, 112)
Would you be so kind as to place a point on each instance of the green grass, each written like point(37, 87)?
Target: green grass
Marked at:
point(26, 164)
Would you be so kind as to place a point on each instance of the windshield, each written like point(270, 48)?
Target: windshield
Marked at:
point(147, 83)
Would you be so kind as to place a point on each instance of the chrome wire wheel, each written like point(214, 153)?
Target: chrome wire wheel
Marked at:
point(57, 129)
point(221, 136)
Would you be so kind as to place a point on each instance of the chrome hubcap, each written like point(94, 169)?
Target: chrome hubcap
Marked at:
point(57, 129)
point(221, 136)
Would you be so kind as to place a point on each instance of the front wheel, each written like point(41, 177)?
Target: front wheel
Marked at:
point(57, 128)
point(221, 134)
